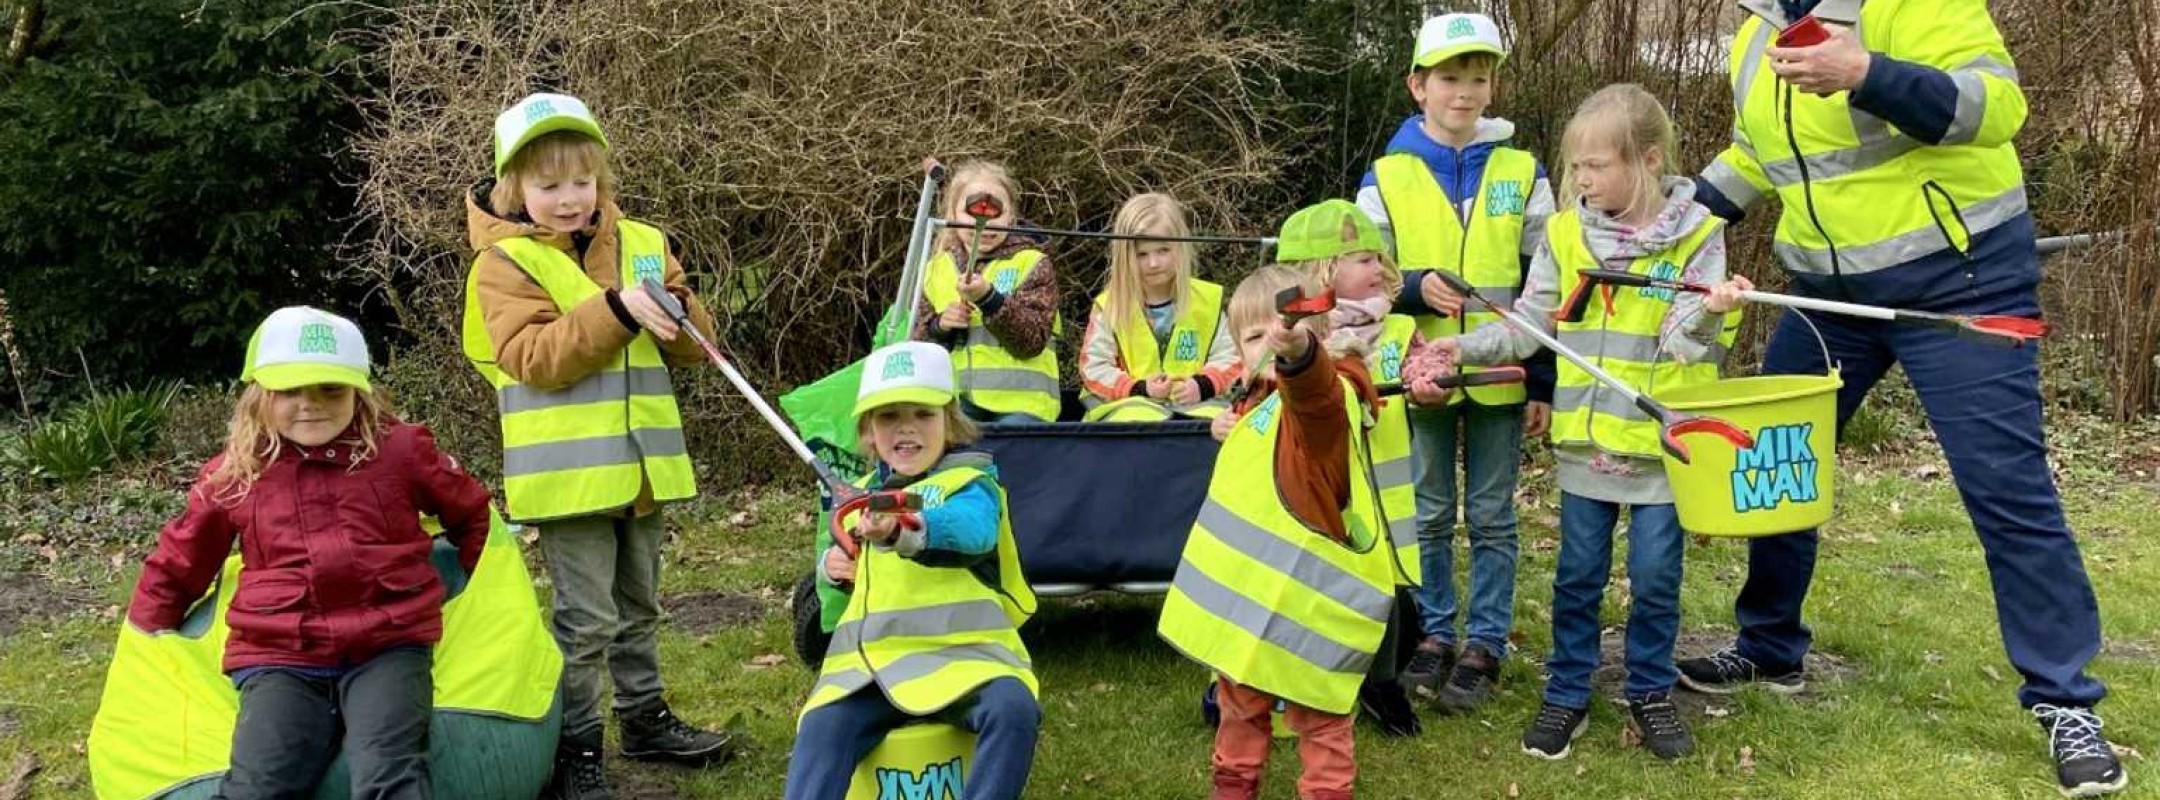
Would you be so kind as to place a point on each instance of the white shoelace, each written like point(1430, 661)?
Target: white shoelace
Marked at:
point(1729, 660)
point(2074, 732)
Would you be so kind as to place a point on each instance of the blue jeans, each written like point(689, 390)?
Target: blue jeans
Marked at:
point(1654, 548)
point(832, 739)
point(1491, 448)
point(1983, 402)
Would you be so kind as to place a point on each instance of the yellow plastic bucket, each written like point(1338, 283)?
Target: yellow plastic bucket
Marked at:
point(923, 761)
point(1785, 482)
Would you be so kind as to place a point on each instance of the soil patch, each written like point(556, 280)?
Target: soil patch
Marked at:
point(26, 598)
point(1825, 671)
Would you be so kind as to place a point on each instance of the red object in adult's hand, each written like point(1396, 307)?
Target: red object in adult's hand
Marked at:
point(1807, 32)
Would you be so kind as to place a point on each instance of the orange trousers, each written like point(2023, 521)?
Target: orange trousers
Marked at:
point(1243, 738)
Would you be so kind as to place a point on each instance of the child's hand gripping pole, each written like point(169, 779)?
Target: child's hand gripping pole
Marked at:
point(1671, 424)
point(908, 507)
point(1294, 306)
point(1999, 329)
point(984, 207)
point(841, 490)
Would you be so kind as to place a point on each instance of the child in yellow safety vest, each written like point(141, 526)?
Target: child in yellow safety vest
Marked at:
point(1624, 211)
point(1286, 583)
point(581, 359)
point(935, 598)
point(993, 302)
point(1156, 343)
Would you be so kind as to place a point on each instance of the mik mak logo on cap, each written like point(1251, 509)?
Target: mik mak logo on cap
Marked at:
point(539, 110)
point(1460, 28)
point(317, 338)
point(898, 365)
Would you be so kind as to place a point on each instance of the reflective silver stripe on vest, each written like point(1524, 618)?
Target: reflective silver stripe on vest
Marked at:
point(1730, 183)
point(1403, 532)
point(847, 681)
point(1839, 163)
point(1635, 347)
point(1858, 259)
point(1750, 62)
point(1008, 380)
point(962, 617)
point(1226, 604)
point(1316, 574)
point(916, 665)
point(1391, 473)
point(599, 451)
point(599, 387)
point(979, 336)
point(1603, 399)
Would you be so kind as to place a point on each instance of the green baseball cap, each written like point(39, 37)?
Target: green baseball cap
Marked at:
point(908, 372)
point(1450, 35)
point(1325, 230)
point(301, 346)
point(538, 115)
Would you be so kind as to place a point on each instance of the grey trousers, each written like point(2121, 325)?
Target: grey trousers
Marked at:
point(291, 725)
point(607, 612)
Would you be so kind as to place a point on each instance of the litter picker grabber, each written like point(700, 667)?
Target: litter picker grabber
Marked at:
point(847, 497)
point(1489, 376)
point(1294, 305)
point(1059, 233)
point(2001, 329)
point(983, 207)
point(1671, 424)
point(920, 237)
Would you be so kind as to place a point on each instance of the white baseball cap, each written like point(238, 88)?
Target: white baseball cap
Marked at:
point(538, 115)
point(301, 346)
point(1450, 35)
point(908, 372)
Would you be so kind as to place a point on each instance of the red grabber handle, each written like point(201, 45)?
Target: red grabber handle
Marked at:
point(1294, 305)
point(907, 506)
point(984, 207)
point(1672, 425)
point(1578, 302)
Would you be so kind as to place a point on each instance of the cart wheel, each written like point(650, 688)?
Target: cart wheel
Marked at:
point(810, 636)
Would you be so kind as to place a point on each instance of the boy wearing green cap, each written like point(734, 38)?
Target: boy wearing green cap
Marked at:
point(1454, 198)
point(580, 361)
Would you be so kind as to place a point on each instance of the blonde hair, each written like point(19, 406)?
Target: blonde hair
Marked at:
point(1630, 120)
point(1323, 270)
point(967, 174)
point(1254, 301)
point(557, 154)
point(1152, 213)
point(252, 440)
point(959, 430)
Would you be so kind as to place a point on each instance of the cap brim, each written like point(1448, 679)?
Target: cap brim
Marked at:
point(282, 377)
point(1435, 57)
point(911, 394)
point(560, 122)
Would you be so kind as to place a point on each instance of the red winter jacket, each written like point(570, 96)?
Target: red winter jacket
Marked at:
point(334, 563)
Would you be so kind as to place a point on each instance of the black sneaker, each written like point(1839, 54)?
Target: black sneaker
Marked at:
point(2085, 764)
point(579, 774)
point(1384, 703)
point(1471, 683)
point(1726, 671)
point(1429, 666)
point(653, 733)
point(1552, 734)
point(1657, 721)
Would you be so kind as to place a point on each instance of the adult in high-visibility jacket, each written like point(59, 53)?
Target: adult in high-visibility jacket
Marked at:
point(1286, 584)
point(935, 599)
point(1890, 147)
point(993, 301)
point(1454, 196)
point(1156, 345)
point(592, 440)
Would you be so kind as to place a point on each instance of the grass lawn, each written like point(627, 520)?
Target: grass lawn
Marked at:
point(1910, 693)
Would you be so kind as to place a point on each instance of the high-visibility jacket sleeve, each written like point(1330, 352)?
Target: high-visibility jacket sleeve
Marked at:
point(1733, 181)
point(1947, 78)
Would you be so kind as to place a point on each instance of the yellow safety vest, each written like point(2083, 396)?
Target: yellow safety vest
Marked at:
point(928, 636)
point(987, 374)
point(1390, 440)
point(1268, 602)
point(168, 711)
point(589, 447)
point(1624, 342)
point(1488, 254)
point(1880, 197)
point(1192, 335)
